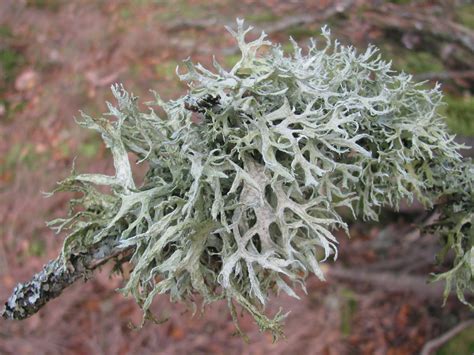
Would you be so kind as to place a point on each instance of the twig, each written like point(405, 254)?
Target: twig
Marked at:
point(277, 26)
point(286, 23)
point(446, 75)
point(434, 344)
point(390, 281)
point(406, 263)
point(405, 19)
point(185, 24)
point(49, 283)
point(3, 259)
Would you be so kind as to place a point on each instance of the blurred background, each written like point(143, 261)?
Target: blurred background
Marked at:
point(59, 56)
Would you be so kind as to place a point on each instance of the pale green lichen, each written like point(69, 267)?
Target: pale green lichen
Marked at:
point(248, 172)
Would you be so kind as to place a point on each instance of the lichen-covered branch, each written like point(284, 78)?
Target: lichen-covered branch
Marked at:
point(248, 173)
point(29, 297)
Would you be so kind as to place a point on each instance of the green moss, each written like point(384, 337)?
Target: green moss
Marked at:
point(125, 13)
point(400, 2)
point(302, 32)
point(459, 114)
point(135, 69)
point(10, 62)
point(410, 61)
point(14, 108)
point(262, 17)
point(90, 148)
point(421, 62)
point(50, 5)
point(10, 58)
point(166, 70)
point(37, 248)
point(465, 15)
point(11, 108)
point(10, 157)
point(418, 62)
point(287, 48)
point(5, 32)
point(181, 9)
point(463, 343)
point(348, 309)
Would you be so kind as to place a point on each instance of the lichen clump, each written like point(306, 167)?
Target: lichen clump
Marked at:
point(249, 172)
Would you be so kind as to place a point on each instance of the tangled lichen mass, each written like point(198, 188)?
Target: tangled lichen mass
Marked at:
point(248, 173)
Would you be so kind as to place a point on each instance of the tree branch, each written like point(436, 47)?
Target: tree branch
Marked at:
point(390, 282)
point(400, 18)
point(446, 75)
point(277, 26)
point(28, 298)
point(434, 344)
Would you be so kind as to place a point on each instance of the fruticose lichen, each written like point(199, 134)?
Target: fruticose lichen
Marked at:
point(248, 173)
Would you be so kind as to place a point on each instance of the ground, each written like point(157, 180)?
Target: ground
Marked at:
point(59, 57)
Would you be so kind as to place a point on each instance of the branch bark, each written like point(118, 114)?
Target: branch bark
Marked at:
point(28, 298)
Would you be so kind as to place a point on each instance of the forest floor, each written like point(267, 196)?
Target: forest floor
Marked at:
point(59, 57)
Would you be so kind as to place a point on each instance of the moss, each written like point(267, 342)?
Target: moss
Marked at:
point(463, 343)
point(49, 5)
point(12, 108)
point(37, 248)
point(400, 2)
point(5, 32)
point(90, 148)
point(287, 48)
point(181, 9)
point(418, 62)
point(348, 310)
point(10, 62)
point(302, 32)
point(465, 15)
point(166, 70)
point(410, 61)
point(11, 58)
point(125, 13)
point(459, 114)
point(263, 17)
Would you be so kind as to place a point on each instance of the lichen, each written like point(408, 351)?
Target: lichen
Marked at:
point(248, 173)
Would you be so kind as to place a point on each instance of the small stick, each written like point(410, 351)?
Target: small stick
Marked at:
point(434, 344)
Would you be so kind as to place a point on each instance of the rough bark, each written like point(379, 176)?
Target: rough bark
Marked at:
point(29, 297)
